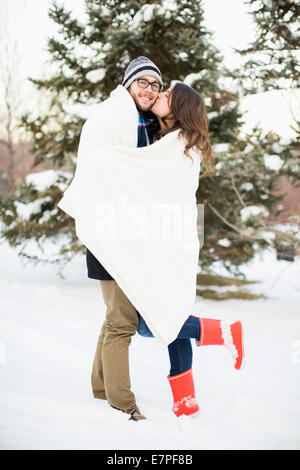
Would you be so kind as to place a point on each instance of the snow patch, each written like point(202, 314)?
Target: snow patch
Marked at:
point(95, 76)
point(220, 148)
point(147, 12)
point(45, 179)
point(224, 242)
point(253, 211)
point(273, 162)
point(247, 186)
point(47, 215)
point(191, 78)
point(25, 211)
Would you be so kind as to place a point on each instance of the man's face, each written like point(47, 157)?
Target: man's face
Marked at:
point(144, 98)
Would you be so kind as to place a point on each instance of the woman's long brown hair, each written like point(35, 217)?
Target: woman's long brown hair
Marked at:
point(189, 110)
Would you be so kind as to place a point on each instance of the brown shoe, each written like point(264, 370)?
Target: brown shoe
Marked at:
point(136, 416)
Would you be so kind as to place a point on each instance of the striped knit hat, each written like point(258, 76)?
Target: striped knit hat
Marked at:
point(139, 67)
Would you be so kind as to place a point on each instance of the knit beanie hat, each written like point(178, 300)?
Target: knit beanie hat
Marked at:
point(139, 67)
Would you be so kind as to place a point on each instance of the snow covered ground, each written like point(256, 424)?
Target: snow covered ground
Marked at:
point(48, 333)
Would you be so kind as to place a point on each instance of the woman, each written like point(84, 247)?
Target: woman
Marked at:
point(180, 107)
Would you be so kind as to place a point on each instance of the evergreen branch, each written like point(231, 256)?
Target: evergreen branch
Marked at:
point(224, 220)
point(237, 192)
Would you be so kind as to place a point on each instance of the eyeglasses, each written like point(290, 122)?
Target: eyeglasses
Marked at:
point(143, 83)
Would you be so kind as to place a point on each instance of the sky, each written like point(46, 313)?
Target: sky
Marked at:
point(232, 26)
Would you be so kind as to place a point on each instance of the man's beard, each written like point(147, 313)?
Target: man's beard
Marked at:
point(140, 105)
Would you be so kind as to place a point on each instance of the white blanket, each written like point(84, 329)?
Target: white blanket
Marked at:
point(135, 210)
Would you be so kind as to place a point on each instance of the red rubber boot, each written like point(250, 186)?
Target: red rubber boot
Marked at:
point(223, 332)
point(183, 390)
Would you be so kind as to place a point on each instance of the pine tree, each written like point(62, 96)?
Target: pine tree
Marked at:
point(91, 58)
point(272, 62)
point(272, 59)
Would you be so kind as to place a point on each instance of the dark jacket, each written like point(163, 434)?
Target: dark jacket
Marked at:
point(151, 126)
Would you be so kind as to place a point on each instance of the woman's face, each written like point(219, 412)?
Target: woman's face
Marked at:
point(161, 107)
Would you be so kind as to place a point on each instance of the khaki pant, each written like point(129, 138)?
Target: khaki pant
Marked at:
point(110, 374)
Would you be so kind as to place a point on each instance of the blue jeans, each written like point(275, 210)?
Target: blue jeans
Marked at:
point(180, 351)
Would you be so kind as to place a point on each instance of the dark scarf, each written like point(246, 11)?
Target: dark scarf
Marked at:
point(147, 127)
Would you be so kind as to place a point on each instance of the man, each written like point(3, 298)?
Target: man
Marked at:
point(110, 373)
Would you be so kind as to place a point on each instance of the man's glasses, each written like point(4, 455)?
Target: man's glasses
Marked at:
point(143, 83)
